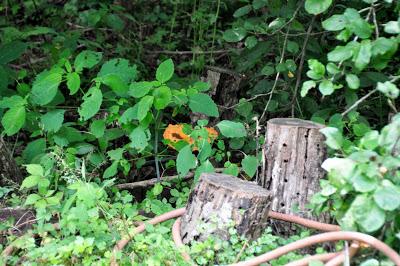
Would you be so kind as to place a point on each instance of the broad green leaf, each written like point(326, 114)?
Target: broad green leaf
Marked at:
point(31, 199)
point(367, 214)
point(244, 108)
point(202, 86)
point(363, 57)
point(317, 70)
point(234, 35)
point(13, 120)
point(205, 150)
point(340, 53)
point(370, 140)
point(13, 101)
point(363, 183)
point(162, 97)
point(45, 86)
point(140, 89)
point(73, 82)
point(357, 24)
point(334, 23)
point(249, 165)
point(144, 107)
point(232, 129)
point(130, 114)
point(87, 59)
point(53, 120)
point(353, 82)
point(202, 103)
point(165, 71)
point(257, 4)
point(371, 262)
point(308, 85)
point(139, 139)
point(392, 27)
point(11, 51)
point(30, 181)
point(326, 87)
point(91, 103)
point(334, 138)
point(111, 171)
point(316, 7)
point(389, 89)
point(244, 10)
point(34, 150)
point(119, 67)
point(117, 85)
point(250, 42)
point(387, 196)
point(97, 128)
point(185, 161)
point(205, 167)
point(35, 169)
point(231, 169)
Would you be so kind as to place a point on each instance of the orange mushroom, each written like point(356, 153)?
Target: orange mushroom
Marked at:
point(174, 134)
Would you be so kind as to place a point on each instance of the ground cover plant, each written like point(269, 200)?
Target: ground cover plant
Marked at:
point(98, 94)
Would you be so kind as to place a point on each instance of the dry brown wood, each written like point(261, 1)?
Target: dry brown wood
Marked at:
point(219, 200)
point(294, 152)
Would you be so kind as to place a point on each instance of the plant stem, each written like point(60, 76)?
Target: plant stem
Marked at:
point(156, 127)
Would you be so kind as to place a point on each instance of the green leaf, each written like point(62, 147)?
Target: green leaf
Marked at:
point(334, 23)
point(144, 106)
point(389, 89)
point(317, 69)
point(116, 84)
point(185, 161)
point(232, 129)
point(371, 262)
point(140, 89)
point(35, 169)
point(392, 27)
point(257, 4)
point(249, 165)
point(234, 35)
point(353, 82)
point(130, 114)
point(308, 85)
point(363, 57)
point(139, 139)
point(33, 150)
point(202, 103)
point(326, 87)
point(13, 101)
point(387, 196)
point(45, 86)
point(30, 181)
point(31, 199)
point(205, 167)
point(316, 7)
point(87, 59)
point(231, 169)
point(363, 183)
point(13, 120)
point(367, 214)
point(111, 171)
point(162, 97)
point(165, 71)
point(340, 53)
point(97, 128)
point(119, 67)
point(357, 24)
point(11, 51)
point(334, 138)
point(91, 103)
point(250, 42)
point(53, 120)
point(73, 82)
point(244, 10)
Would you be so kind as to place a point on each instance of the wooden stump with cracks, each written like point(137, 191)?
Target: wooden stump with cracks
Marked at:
point(219, 200)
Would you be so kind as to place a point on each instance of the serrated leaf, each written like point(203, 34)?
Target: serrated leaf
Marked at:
point(97, 128)
point(91, 103)
point(202, 103)
point(111, 171)
point(53, 120)
point(31, 199)
point(140, 89)
point(165, 71)
point(119, 67)
point(35, 169)
point(45, 86)
point(87, 59)
point(232, 129)
point(73, 82)
point(326, 87)
point(185, 161)
point(144, 107)
point(162, 97)
point(13, 120)
point(30, 181)
point(139, 139)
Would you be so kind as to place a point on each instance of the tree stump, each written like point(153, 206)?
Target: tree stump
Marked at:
point(221, 200)
point(9, 171)
point(294, 152)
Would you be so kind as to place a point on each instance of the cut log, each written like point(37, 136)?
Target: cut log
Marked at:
point(294, 152)
point(9, 171)
point(221, 201)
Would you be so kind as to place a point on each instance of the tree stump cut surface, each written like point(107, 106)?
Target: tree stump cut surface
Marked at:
point(219, 200)
point(294, 153)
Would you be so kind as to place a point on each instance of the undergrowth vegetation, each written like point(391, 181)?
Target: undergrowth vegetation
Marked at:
point(97, 94)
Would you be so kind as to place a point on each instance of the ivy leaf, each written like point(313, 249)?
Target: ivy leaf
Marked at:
point(87, 59)
point(185, 161)
point(202, 103)
point(13, 120)
point(387, 196)
point(232, 129)
point(249, 165)
point(45, 86)
point(353, 82)
point(97, 128)
point(316, 7)
point(73, 82)
point(308, 85)
point(139, 139)
point(53, 120)
point(91, 103)
point(234, 35)
point(165, 71)
point(144, 106)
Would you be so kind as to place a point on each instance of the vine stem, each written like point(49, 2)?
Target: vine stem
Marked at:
point(359, 101)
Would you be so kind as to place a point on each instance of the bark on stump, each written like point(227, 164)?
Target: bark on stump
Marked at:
point(219, 200)
point(9, 171)
point(293, 153)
